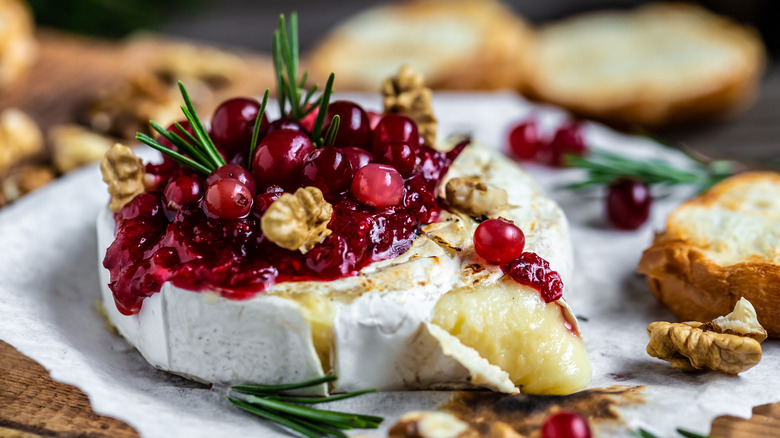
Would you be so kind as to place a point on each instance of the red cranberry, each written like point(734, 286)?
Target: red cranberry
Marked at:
point(499, 241)
point(279, 159)
point(524, 140)
point(378, 185)
point(329, 170)
point(628, 203)
point(357, 157)
point(264, 200)
point(233, 124)
point(568, 140)
point(307, 122)
point(531, 270)
point(234, 171)
point(394, 127)
point(182, 191)
point(401, 156)
point(373, 119)
point(278, 125)
point(566, 425)
point(227, 198)
point(354, 129)
point(145, 206)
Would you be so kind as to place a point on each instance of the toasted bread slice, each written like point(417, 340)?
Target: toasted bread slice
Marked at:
point(657, 65)
point(458, 44)
point(718, 247)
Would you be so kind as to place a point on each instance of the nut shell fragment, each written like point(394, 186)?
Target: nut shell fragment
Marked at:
point(474, 197)
point(407, 94)
point(123, 171)
point(691, 346)
point(20, 138)
point(298, 221)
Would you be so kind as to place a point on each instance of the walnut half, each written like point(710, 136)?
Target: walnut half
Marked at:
point(730, 344)
point(474, 197)
point(407, 94)
point(123, 171)
point(298, 221)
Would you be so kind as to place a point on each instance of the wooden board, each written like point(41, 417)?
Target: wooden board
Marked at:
point(70, 69)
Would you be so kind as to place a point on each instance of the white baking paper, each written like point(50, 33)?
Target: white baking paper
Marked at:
point(49, 282)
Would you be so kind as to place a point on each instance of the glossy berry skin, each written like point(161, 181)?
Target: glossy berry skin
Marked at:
point(498, 241)
point(354, 128)
point(264, 200)
point(358, 158)
point(227, 198)
point(394, 127)
point(402, 156)
point(329, 170)
point(233, 123)
point(532, 270)
point(373, 119)
point(234, 171)
point(566, 425)
point(182, 191)
point(280, 124)
point(307, 122)
point(279, 159)
point(378, 185)
point(568, 140)
point(628, 203)
point(524, 140)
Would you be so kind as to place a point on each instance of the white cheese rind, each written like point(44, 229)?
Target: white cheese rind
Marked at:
point(381, 325)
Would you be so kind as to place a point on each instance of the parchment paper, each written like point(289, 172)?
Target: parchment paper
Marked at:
point(49, 282)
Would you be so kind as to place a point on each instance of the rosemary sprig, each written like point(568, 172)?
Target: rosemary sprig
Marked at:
point(270, 403)
point(198, 152)
point(604, 167)
point(256, 130)
point(295, 100)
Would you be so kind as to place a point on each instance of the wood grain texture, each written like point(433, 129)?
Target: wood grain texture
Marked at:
point(70, 69)
point(32, 404)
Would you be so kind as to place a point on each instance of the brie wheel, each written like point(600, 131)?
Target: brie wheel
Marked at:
point(434, 317)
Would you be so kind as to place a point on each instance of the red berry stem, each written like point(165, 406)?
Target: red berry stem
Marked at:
point(256, 130)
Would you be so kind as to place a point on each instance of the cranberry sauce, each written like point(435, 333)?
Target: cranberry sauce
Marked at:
point(196, 252)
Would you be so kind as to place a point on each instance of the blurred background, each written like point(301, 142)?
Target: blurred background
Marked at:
point(246, 23)
point(76, 76)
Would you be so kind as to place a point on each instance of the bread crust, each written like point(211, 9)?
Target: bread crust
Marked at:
point(693, 286)
point(649, 100)
point(496, 62)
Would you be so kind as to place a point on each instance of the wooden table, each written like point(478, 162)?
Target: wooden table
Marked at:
point(32, 404)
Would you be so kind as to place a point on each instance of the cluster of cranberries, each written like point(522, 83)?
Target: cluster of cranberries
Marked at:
point(628, 200)
point(371, 157)
point(527, 143)
point(501, 242)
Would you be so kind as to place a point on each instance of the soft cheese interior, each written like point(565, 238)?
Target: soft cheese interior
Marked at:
point(435, 317)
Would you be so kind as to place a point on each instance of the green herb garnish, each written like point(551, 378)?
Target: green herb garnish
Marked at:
point(270, 403)
point(604, 168)
point(290, 90)
point(202, 156)
point(256, 130)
